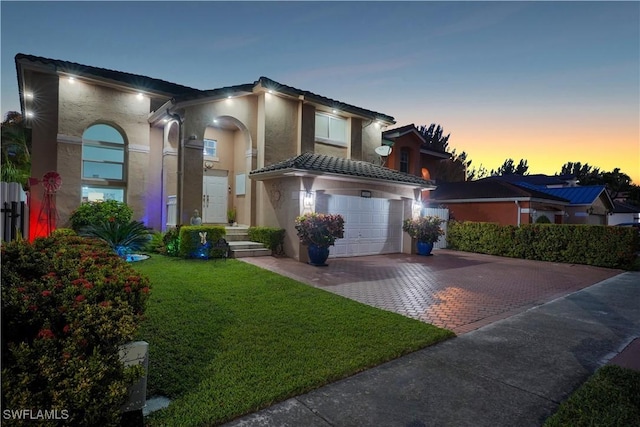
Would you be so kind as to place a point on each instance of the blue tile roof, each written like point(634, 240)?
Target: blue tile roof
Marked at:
point(576, 195)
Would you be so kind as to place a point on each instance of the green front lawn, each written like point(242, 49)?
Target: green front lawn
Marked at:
point(228, 338)
point(611, 397)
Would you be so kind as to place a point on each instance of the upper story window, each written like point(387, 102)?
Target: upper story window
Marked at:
point(404, 160)
point(210, 148)
point(102, 153)
point(331, 129)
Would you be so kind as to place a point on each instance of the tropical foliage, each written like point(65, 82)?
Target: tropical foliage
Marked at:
point(16, 150)
point(98, 212)
point(68, 304)
point(122, 238)
point(319, 229)
point(425, 229)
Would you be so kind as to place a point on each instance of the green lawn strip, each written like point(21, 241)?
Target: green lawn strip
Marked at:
point(611, 397)
point(227, 338)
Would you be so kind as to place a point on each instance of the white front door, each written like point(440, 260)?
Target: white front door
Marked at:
point(214, 199)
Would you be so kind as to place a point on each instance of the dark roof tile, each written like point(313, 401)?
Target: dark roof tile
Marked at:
point(341, 166)
point(138, 81)
point(487, 189)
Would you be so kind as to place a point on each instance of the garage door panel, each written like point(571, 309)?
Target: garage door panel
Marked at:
point(372, 226)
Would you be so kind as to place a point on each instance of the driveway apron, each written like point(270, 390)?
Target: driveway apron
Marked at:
point(460, 291)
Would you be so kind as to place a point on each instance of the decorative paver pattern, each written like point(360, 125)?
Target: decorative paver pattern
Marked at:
point(460, 291)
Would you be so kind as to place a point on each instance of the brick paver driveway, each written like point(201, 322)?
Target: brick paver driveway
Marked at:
point(460, 291)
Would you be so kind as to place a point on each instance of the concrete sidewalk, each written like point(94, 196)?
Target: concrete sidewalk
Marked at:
point(513, 372)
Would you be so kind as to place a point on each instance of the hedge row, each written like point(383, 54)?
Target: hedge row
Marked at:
point(271, 237)
point(68, 304)
point(604, 246)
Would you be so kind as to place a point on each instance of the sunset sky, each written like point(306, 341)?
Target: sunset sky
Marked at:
point(549, 82)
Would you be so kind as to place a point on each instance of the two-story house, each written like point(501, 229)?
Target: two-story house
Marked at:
point(268, 150)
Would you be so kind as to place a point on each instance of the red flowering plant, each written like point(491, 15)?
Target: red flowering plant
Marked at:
point(425, 229)
point(68, 304)
point(319, 229)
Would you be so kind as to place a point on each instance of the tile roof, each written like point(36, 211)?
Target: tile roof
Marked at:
point(266, 82)
point(536, 179)
point(576, 195)
point(487, 189)
point(135, 80)
point(621, 207)
point(314, 162)
point(184, 93)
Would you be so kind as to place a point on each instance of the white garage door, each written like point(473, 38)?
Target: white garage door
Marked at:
point(371, 226)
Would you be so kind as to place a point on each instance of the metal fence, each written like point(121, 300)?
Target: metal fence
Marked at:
point(14, 220)
point(444, 215)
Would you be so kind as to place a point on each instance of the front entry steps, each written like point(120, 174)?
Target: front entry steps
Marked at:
point(238, 239)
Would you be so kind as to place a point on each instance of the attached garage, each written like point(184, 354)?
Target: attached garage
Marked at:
point(372, 226)
point(372, 199)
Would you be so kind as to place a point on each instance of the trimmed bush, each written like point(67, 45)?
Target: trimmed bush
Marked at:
point(63, 232)
point(599, 245)
point(68, 303)
point(542, 219)
point(271, 237)
point(190, 240)
point(96, 212)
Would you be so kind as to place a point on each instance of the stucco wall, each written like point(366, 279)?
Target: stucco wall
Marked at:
point(371, 139)
point(43, 137)
point(281, 129)
point(81, 105)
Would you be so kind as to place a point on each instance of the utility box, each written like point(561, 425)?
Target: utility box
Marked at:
point(131, 354)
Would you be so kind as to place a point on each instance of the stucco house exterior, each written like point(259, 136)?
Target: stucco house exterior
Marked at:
point(269, 150)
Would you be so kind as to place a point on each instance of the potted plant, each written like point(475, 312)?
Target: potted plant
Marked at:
point(231, 215)
point(319, 231)
point(426, 230)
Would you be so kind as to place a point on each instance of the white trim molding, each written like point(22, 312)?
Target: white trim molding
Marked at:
point(67, 139)
point(136, 148)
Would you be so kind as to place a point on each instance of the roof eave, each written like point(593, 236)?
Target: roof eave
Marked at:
point(290, 172)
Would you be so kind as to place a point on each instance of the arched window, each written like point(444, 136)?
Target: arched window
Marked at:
point(103, 164)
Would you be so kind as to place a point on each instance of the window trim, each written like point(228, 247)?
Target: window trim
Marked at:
point(329, 140)
point(116, 183)
point(405, 152)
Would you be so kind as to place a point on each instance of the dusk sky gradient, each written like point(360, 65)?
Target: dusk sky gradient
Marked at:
point(549, 82)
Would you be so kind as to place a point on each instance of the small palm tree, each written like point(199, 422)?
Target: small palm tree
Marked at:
point(123, 238)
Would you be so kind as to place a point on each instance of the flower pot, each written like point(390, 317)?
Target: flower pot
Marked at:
point(318, 255)
point(424, 248)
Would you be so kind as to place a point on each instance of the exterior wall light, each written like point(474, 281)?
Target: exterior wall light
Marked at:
point(308, 200)
point(72, 79)
point(139, 95)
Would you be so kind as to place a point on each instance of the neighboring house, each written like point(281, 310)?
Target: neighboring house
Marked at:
point(623, 213)
point(269, 150)
point(589, 204)
point(557, 198)
point(410, 153)
point(489, 200)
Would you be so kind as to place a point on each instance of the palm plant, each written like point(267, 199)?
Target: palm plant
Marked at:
point(123, 238)
point(16, 155)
